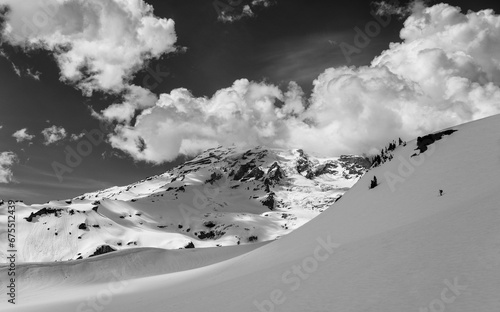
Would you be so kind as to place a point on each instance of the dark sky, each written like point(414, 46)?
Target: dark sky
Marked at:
point(294, 40)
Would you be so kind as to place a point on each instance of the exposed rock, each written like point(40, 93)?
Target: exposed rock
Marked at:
point(303, 163)
point(42, 212)
point(425, 141)
point(269, 201)
point(215, 176)
point(213, 234)
point(102, 250)
point(275, 173)
point(189, 245)
point(253, 238)
point(243, 170)
point(328, 168)
point(356, 160)
point(256, 173)
point(209, 224)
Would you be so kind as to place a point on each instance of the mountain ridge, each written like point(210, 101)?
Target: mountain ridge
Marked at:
point(222, 197)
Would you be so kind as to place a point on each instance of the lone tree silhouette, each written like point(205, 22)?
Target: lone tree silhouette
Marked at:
point(374, 182)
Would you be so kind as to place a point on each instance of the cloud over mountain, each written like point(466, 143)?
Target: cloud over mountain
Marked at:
point(444, 71)
point(182, 123)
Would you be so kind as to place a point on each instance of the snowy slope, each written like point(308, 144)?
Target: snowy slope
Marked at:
point(397, 247)
point(223, 197)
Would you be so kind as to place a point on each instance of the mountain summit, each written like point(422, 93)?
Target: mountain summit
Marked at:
point(223, 197)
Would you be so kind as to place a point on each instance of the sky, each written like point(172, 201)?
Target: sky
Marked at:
point(101, 93)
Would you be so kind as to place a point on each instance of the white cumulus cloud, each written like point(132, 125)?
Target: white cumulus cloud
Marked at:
point(98, 44)
point(7, 160)
point(180, 123)
point(76, 137)
point(236, 10)
point(444, 72)
point(53, 135)
point(22, 135)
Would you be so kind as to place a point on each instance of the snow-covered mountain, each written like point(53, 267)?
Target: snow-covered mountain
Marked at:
point(223, 197)
point(400, 246)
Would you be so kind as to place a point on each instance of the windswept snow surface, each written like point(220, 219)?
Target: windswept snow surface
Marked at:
point(397, 247)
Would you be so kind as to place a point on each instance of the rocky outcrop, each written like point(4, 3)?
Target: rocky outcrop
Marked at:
point(425, 141)
point(42, 212)
point(328, 168)
point(189, 245)
point(275, 173)
point(255, 173)
point(303, 163)
point(215, 176)
point(243, 170)
point(212, 234)
point(102, 250)
point(270, 201)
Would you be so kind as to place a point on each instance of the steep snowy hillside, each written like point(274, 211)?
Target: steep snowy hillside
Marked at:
point(400, 246)
point(223, 197)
